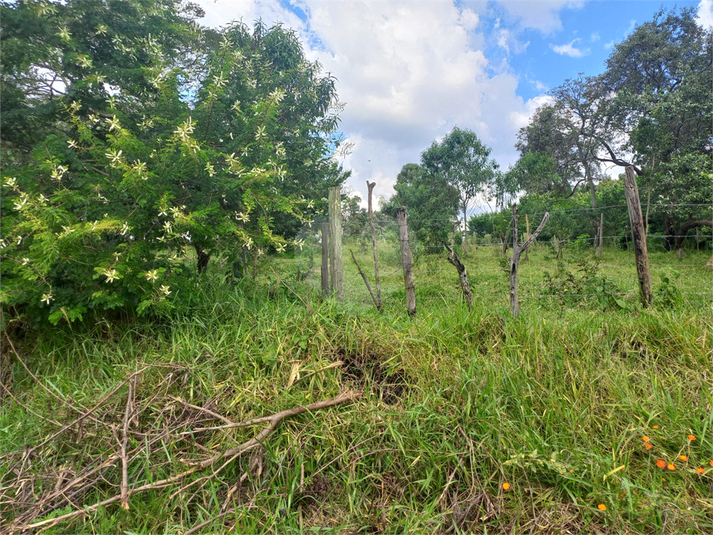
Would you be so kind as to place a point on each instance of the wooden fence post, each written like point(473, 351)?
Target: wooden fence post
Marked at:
point(517, 250)
point(601, 234)
point(638, 236)
point(335, 243)
point(370, 186)
point(325, 260)
point(406, 260)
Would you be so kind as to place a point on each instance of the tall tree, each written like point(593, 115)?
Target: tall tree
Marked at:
point(119, 176)
point(462, 161)
point(431, 202)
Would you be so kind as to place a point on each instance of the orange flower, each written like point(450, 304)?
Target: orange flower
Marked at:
point(645, 439)
point(648, 446)
point(670, 467)
point(701, 470)
point(656, 427)
point(683, 458)
point(506, 486)
point(691, 437)
point(661, 463)
point(602, 507)
point(711, 462)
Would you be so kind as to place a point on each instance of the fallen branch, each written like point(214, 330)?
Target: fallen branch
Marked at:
point(125, 439)
point(273, 421)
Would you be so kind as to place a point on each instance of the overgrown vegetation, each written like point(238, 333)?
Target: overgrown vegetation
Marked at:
point(450, 406)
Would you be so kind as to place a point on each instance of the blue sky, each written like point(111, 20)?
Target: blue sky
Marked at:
point(409, 71)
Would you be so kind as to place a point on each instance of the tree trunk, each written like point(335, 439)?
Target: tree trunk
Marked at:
point(203, 258)
point(406, 260)
point(670, 240)
point(688, 225)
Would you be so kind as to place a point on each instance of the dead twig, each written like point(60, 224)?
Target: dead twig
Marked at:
point(232, 453)
point(125, 439)
point(366, 281)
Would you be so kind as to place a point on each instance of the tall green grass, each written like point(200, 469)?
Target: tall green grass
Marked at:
point(454, 404)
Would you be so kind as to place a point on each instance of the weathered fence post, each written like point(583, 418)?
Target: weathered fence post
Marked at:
point(517, 250)
point(527, 235)
point(335, 243)
point(370, 186)
point(601, 234)
point(325, 260)
point(638, 236)
point(406, 260)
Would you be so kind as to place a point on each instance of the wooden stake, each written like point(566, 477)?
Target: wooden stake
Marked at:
point(325, 260)
point(406, 260)
point(638, 235)
point(515, 260)
point(366, 281)
point(527, 234)
point(335, 243)
point(601, 234)
point(370, 186)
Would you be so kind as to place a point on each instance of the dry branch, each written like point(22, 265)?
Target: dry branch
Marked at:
point(230, 454)
point(366, 281)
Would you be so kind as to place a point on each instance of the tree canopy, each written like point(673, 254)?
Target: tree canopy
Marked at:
point(136, 134)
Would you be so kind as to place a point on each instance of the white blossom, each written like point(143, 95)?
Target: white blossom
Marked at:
point(111, 275)
point(152, 275)
point(47, 298)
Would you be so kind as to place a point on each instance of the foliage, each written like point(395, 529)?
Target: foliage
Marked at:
point(462, 161)
point(138, 157)
point(431, 203)
point(572, 289)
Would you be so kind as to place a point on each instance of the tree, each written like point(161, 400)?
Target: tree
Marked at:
point(463, 162)
point(431, 203)
point(113, 183)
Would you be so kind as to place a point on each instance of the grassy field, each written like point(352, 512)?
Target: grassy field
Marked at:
point(456, 421)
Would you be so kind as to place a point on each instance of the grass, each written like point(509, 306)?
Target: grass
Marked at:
point(454, 405)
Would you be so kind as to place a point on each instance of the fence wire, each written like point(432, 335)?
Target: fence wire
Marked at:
point(553, 272)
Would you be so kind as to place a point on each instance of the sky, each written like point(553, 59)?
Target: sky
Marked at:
point(409, 72)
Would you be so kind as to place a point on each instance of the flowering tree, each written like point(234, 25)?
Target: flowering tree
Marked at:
point(139, 157)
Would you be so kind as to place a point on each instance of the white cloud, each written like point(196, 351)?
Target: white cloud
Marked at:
point(542, 15)
point(408, 73)
point(595, 37)
point(705, 14)
point(570, 50)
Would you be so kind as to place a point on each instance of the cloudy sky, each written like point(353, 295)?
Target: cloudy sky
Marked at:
point(409, 72)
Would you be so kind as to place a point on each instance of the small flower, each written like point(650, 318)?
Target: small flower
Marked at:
point(661, 463)
point(124, 229)
point(248, 243)
point(691, 438)
point(645, 439)
point(113, 156)
point(648, 446)
point(84, 61)
point(25, 261)
point(111, 275)
point(102, 29)
point(245, 218)
point(64, 34)
point(165, 290)
point(280, 247)
point(152, 275)
point(671, 466)
point(72, 144)
point(602, 507)
point(260, 133)
point(299, 243)
point(710, 462)
point(656, 427)
point(210, 169)
point(47, 298)
point(684, 458)
point(700, 470)
point(3, 243)
point(10, 181)
point(113, 123)
point(506, 486)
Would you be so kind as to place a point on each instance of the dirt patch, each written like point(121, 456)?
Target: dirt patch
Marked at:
point(370, 371)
